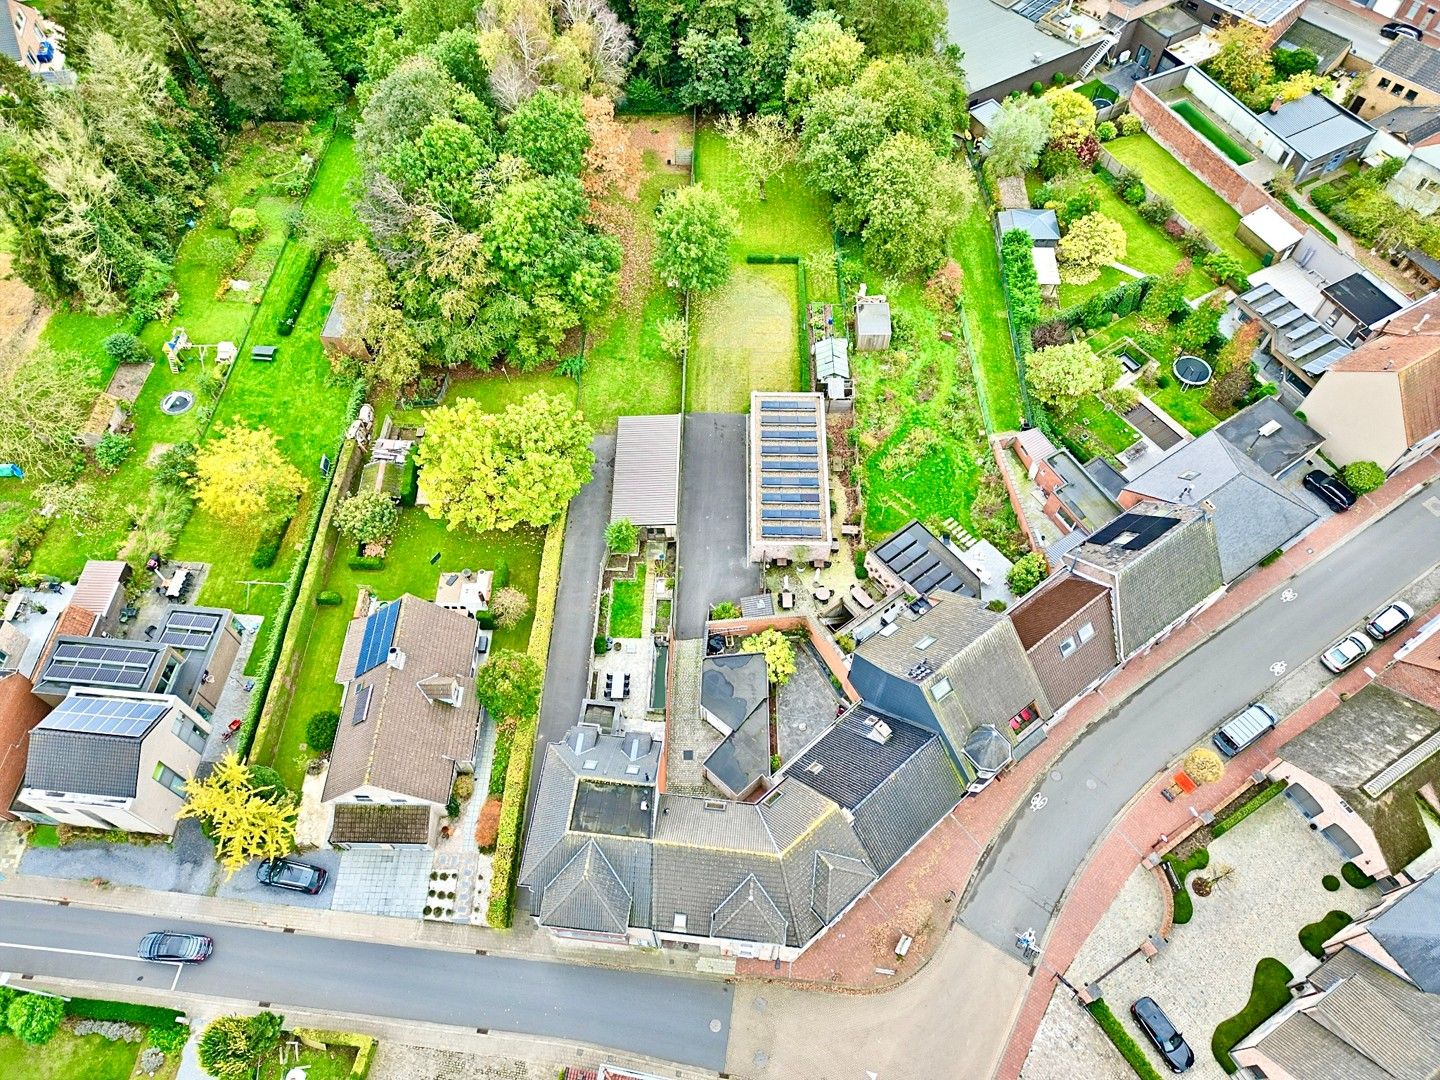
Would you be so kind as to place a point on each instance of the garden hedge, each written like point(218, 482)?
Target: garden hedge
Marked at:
point(365, 562)
point(1018, 277)
point(268, 549)
point(1269, 993)
point(300, 291)
point(364, 1046)
point(1124, 1042)
point(123, 1012)
point(1314, 936)
point(1355, 877)
point(1240, 813)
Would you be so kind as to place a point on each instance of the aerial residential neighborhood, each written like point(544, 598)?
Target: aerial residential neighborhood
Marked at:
point(603, 540)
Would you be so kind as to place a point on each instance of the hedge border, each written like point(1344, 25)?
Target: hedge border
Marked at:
point(1124, 1042)
point(122, 1012)
point(1248, 807)
point(363, 1045)
point(500, 911)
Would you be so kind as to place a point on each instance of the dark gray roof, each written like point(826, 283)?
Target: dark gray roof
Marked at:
point(855, 757)
point(1315, 127)
point(1369, 1025)
point(1412, 61)
point(1410, 931)
point(743, 759)
point(734, 687)
point(377, 823)
point(749, 913)
point(836, 881)
point(1289, 440)
point(612, 808)
point(74, 751)
point(1361, 297)
point(987, 749)
point(1413, 123)
point(1252, 514)
point(1328, 46)
point(919, 558)
point(1042, 225)
point(587, 894)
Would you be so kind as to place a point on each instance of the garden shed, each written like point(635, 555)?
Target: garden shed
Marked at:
point(335, 337)
point(1267, 234)
point(872, 322)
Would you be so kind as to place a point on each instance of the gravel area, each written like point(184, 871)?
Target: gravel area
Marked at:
point(244, 886)
point(186, 865)
point(396, 1061)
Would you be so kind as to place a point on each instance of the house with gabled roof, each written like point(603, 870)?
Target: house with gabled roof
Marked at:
point(409, 720)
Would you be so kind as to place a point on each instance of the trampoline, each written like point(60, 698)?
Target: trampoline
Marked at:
point(1192, 371)
point(177, 402)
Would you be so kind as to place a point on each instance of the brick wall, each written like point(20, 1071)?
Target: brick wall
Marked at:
point(824, 644)
point(998, 448)
point(1197, 155)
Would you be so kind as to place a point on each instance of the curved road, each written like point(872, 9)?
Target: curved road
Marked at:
point(664, 1016)
point(1026, 871)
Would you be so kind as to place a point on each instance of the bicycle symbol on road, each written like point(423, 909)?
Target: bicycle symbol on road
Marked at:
point(1279, 667)
point(1038, 801)
point(1288, 595)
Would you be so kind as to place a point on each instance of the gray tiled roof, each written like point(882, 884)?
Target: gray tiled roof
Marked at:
point(1414, 62)
point(1315, 127)
point(749, 914)
point(894, 817)
point(1413, 123)
point(587, 894)
point(955, 622)
point(81, 763)
point(836, 881)
point(847, 764)
point(1410, 931)
point(647, 471)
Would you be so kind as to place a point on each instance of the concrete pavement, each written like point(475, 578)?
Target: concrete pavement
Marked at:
point(1358, 24)
point(670, 1017)
point(1021, 880)
point(714, 483)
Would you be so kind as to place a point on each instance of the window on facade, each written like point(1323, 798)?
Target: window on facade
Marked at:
point(1384, 83)
point(363, 798)
point(1068, 647)
point(1409, 95)
point(941, 689)
point(189, 732)
point(1024, 718)
point(1085, 633)
point(1397, 89)
point(170, 778)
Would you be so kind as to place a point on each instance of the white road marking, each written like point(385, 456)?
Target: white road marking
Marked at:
point(1433, 505)
point(1279, 667)
point(1038, 801)
point(1288, 595)
point(98, 955)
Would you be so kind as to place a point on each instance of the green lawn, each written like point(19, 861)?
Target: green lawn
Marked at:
point(1198, 204)
point(408, 568)
point(1212, 131)
point(625, 371)
point(1071, 295)
point(1092, 428)
point(496, 389)
point(1268, 995)
point(987, 321)
point(1186, 407)
point(67, 1057)
point(627, 608)
point(334, 1063)
point(1147, 248)
point(794, 217)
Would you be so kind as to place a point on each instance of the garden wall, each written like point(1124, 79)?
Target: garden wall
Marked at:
point(823, 642)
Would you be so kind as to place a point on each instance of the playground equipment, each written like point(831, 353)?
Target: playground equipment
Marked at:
point(180, 343)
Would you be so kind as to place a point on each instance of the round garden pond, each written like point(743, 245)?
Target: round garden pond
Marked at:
point(1192, 371)
point(177, 402)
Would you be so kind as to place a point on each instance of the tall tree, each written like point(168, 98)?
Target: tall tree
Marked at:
point(894, 26)
point(508, 685)
point(1018, 134)
point(547, 131)
point(242, 478)
point(1072, 117)
point(912, 202)
point(1092, 242)
point(763, 145)
point(1060, 375)
point(825, 56)
point(692, 239)
point(46, 403)
point(237, 50)
point(1242, 62)
point(244, 823)
point(484, 470)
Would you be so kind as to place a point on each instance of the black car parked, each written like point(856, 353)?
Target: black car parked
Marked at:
point(171, 947)
point(1331, 489)
point(1394, 30)
point(292, 875)
point(1160, 1031)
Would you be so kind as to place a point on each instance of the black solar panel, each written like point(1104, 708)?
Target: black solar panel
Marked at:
point(98, 665)
point(362, 705)
point(772, 497)
point(1144, 530)
point(790, 481)
point(788, 434)
point(379, 636)
point(786, 448)
point(790, 530)
point(789, 513)
point(786, 465)
point(787, 406)
point(190, 629)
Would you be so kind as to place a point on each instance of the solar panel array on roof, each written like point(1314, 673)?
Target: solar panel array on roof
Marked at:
point(379, 636)
point(1134, 532)
point(83, 663)
point(361, 708)
point(790, 467)
point(190, 629)
point(122, 717)
point(915, 555)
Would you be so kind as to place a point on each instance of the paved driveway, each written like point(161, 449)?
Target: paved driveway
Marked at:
point(1022, 878)
point(187, 865)
point(713, 485)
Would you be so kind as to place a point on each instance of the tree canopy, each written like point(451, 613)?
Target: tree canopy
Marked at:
point(692, 239)
point(1059, 375)
point(779, 654)
point(1092, 242)
point(242, 478)
point(245, 823)
point(522, 466)
point(508, 685)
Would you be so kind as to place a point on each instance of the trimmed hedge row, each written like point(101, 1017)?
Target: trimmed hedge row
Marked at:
point(1123, 1040)
point(1245, 809)
point(364, 1046)
point(300, 291)
point(1121, 300)
point(122, 1012)
point(770, 260)
point(522, 741)
point(1020, 282)
point(268, 549)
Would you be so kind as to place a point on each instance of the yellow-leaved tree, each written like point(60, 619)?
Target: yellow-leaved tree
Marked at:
point(779, 654)
point(245, 823)
point(242, 478)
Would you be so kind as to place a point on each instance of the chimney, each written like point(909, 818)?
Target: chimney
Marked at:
point(396, 659)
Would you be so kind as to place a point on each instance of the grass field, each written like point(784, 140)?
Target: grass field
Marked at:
point(1092, 428)
point(69, 1057)
point(1198, 204)
point(1147, 248)
point(1187, 407)
point(1070, 294)
point(625, 371)
point(1212, 131)
point(1269, 992)
point(987, 322)
point(742, 338)
point(627, 605)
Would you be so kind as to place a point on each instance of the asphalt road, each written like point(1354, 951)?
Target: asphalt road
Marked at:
point(1364, 35)
point(714, 485)
point(1021, 879)
point(662, 1016)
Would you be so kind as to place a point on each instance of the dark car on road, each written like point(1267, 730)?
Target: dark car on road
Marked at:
point(1330, 488)
point(292, 875)
point(1160, 1031)
point(1389, 620)
point(176, 948)
point(1394, 30)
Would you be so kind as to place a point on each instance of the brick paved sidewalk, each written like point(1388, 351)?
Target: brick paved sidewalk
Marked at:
point(1139, 829)
point(858, 951)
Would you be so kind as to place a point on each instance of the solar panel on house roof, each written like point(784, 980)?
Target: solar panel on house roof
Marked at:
point(788, 434)
point(98, 665)
point(789, 530)
point(379, 636)
point(789, 513)
point(361, 708)
point(1143, 529)
point(785, 448)
point(782, 465)
point(190, 629)
point(121, 717)
point(773, 497)
point(786, 405)
point(790, 481)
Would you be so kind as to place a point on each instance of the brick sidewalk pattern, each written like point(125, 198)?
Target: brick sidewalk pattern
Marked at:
point(858, 951)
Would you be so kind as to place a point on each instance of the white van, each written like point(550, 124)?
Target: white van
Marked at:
point(1244, 728)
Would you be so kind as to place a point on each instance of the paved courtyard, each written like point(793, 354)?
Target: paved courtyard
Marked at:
point(1203, 975)
point(805, 704)
point(383, 882)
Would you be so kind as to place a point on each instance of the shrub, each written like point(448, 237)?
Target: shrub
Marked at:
point(1105, 131)
point(1060, 78)
point(328, 598)
point(452, 807)
point(501, 575)
point(1355, 877)
point(861, 573)
point(1174, 229)
point(1226, 268)
point(112, 450)
point(1156, 210)
point(997, 605)
point(464, 786)
point(245, 222)
point(1184, 907)
point(621, 536)
point(1125, 1043)
point(1314, 936)
point(169, 1038)
point(151, 1016)
point(1037, 88)
point(1245, 809)
point(1134, 194)
point(34, 1018)
point(1057, 161)
point(643, 96)
point(124, 348)
point(1204, 765)
point(176, 466)
point(365, 562)
point(1362, 477)
point(299, 291)
point(1331, 883)
point(509, 605)
point(602, 644)
point(367, 518)
point(1194, 244)
point(268, 549)
point(1029, 571)
point(1269, 993)
point(1129, 124)
point(266, 782)
point(725, 610)
point(320, 730)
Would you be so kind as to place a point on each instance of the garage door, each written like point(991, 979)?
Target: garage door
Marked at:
point(1341, 839)
point(1303, 799)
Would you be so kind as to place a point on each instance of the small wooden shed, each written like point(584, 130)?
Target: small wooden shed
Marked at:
point(872, 323)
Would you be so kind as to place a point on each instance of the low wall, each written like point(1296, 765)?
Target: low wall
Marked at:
point(824, 644)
